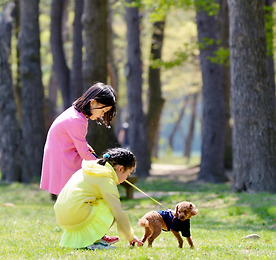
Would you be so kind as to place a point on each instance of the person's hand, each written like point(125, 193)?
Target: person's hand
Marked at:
point(136, 240)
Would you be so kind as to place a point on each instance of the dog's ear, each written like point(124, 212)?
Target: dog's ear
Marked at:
point(176, 211)
point(194, 210)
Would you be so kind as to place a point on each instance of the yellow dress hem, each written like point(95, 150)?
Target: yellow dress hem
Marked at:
point(89, 231)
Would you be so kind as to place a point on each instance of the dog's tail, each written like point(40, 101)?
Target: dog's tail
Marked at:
point(143, 222)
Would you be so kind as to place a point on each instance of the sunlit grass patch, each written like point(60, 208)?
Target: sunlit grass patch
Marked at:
point(28, 228)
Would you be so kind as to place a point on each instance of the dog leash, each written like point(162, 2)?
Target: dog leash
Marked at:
point(131, 184)
point(135, 187)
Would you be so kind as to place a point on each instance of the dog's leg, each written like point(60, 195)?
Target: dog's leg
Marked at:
point(190, 241)
point(178, 237)
point(146, 234)
point(155, 233)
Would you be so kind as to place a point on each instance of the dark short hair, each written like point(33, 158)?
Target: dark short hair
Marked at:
point(104, 94)
point(118, 156)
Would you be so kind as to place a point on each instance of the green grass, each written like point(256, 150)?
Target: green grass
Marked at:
point(28, 228)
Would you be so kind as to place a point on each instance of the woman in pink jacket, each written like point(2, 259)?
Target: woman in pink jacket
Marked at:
point(66, 146)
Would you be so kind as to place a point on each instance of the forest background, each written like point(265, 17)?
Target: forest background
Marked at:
point(177, 66)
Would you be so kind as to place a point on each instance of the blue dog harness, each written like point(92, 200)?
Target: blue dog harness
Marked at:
point(175, 223)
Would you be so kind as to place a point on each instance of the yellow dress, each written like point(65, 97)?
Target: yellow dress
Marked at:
point(88, 204)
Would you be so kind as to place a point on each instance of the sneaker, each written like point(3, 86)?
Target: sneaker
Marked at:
point(110, 240)
point(100, 245)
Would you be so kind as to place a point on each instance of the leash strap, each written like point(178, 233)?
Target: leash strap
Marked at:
point(131, 184)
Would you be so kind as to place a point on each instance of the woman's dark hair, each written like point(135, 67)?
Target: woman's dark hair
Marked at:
point(104, 94)
point(118, 156)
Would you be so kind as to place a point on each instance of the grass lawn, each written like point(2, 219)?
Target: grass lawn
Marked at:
point(28, 228)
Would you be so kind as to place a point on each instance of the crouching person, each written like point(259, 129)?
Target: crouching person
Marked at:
point(89, 203)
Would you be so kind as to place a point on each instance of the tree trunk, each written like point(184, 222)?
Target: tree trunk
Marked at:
point(51, 101)
point(33, 125)
point(212, 150)
point(133, 70)
point(77, 88)
point(270, 36)
point(156, 101)
point(112, 70)
point(95, 65)
point(95, 41)
point(64, 22)
point(190, 135)
point(111, 67)
point(155, 150)
point(178, 121)
point(253, 100)
point(17, 84)
point(62, 72)
point(226, 83)
point(10, 148)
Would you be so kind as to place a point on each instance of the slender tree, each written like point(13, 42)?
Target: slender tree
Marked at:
point(223, 20)
point(59, 34)
point(95, 65)
point(95, 41)
point(156, 101)
point(133, 70)
point(17, 84)
point(51, 101)
point(10, 148)
point(70, 82)
point(212, 150)
point(269, 36)
point(111, 64)
point(178, 121)
point(112, 69)
point(61, 70)
point(33, 126)
point(76, 86)
point(253, 99)
point(190, 134)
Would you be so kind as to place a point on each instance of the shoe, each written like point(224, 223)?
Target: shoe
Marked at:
point(100, 245)
point(110, 240)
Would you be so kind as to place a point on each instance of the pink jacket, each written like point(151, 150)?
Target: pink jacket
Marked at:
point(64, 150)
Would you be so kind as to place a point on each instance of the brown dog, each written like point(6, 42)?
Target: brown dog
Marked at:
point(179, 220)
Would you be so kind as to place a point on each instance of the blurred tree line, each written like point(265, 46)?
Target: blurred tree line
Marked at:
point(235, 52)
